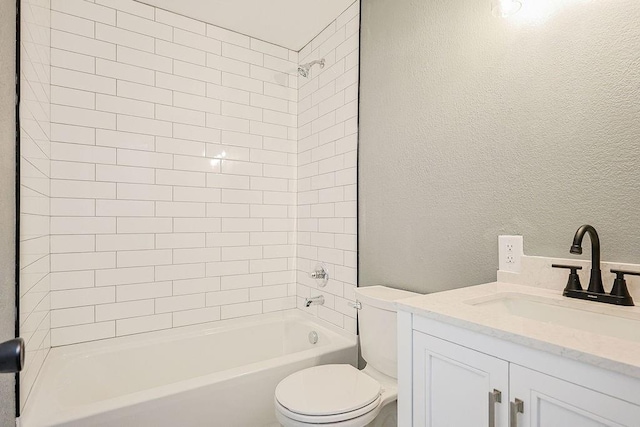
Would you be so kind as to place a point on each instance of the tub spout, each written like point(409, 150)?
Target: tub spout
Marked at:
point(319, 300)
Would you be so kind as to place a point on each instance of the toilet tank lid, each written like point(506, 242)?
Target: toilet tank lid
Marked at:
point(381, 296)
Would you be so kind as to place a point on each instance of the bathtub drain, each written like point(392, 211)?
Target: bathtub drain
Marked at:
point(313, 337)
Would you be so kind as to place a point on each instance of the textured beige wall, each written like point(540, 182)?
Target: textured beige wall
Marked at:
point(7, 197)
point(473, 126)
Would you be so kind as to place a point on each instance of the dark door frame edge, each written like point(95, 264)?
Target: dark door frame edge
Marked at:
point(17, 199)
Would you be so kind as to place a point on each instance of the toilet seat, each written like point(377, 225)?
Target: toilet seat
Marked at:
point(327, 419)
point(327, 394)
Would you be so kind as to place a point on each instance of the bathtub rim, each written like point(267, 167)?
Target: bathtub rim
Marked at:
point(340, 340)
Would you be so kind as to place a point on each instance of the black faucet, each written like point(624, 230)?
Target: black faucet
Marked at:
point(595, 283)
point(619, 294)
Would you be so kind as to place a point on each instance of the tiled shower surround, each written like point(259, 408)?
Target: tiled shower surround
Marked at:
point(191, 180)
point(327, 174)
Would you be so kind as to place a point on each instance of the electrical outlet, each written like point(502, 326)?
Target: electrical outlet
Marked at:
point(510, 251)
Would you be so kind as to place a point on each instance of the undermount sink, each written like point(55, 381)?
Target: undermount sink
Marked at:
point(568, 314)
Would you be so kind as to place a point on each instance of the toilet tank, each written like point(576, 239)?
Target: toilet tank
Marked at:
point(378, 326)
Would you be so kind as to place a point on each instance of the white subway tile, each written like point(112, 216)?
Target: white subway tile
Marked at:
point(142, 125)
point(144, 59)
point(82, 297)
point(114, 104)
point(73, 61)
point(279, 304)
point(229, 65)
point(124, 310)
point(269, 102)
point(267, 292)
point(82, 117)
point(196, 41)
point(180, 240)
point(144, 93)
point(196, 316)
point(192, 194)
point(135, 8)
point(198, 103)
point(72, 280)
point(181, 84)
point(84, 45)
point(196, 286)
point(144, 26)
point(81, 333)
point(82, 81)
point(144, 159)
point(123, 37)
point(143, 258)
point(269, 49)
point(227, 181)
point(227, 297)
point(126, 242)
point(135, 141)
point(72, 170)
point(182, 178)
point(139, 325)
point(111, 173)
point(180, 146)
point(228, 36)
point(129, 208)
point(72, 97)
point(123, 276)
point(240, 310)
point(82, 225)
point(144, 225)
point(85, 10)
point(180, 21)
point(180, 115)
point(125, 72)
point(143, 192)
point(72, 316)
point(195, 133)
point(180, 272)
point(141, 291)
point(180, 52)
point(228, 94)
point(72, 207)
point(180, 209)
point(72, 24)
point(195, 255)
point(241, 82)
point(71, 243)
point(196, 225)
point(180, 303)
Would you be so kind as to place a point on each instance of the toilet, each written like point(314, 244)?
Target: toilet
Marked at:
point(341, 395)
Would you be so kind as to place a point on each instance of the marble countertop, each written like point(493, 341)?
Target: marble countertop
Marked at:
point(463, 308)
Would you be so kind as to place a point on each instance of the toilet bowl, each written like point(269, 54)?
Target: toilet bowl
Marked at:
point(341, 395)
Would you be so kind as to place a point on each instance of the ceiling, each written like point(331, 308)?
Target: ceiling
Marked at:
point(288, 23)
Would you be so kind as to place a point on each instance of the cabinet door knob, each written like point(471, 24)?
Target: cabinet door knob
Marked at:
point(517, 407)
point(495, 396)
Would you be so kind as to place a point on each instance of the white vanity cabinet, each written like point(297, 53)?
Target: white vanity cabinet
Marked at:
point(453, 377)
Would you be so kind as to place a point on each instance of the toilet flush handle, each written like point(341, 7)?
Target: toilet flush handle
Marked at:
point(355, 304)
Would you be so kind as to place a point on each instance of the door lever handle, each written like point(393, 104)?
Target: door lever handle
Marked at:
point(12, 356)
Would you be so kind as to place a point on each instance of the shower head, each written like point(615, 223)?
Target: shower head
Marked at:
point(304, 69)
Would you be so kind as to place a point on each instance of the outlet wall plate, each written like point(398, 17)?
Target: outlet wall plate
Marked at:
point(510, 252)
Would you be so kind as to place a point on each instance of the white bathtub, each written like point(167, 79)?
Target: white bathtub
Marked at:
point(222, 374)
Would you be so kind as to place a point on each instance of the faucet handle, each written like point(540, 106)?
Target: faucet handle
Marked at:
point(573, 284)
point(620, 286)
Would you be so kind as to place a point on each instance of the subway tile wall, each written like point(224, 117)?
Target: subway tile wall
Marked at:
point(35, 166)
point(173, 172)
point(327, 169)
point(190, 179)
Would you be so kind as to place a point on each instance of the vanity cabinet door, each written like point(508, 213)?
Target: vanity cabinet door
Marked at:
point(454, 386)
point(551, 402)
